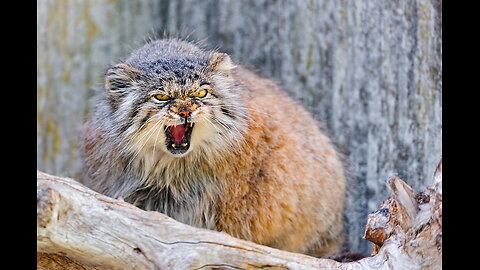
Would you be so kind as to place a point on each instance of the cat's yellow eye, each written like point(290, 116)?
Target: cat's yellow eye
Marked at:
point(201, 93)
point(162, 97)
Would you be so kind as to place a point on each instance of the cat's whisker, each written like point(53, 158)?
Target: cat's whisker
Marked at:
point(239, 139)
point(208, 120)
point(130, 142)
point(224, 125)
point(156, 137)
point(228, 129)
point(228, 139)
point(137, 132)
point(150, 133)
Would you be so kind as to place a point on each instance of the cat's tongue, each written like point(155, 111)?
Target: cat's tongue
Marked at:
point(178, 132)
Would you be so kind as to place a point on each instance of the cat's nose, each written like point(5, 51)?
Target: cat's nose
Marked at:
point(185, 113)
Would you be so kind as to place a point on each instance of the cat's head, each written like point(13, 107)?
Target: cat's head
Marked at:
point(171, 96)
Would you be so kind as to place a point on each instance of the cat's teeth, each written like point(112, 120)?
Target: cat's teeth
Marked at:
point(184, 144)
point(173, 145)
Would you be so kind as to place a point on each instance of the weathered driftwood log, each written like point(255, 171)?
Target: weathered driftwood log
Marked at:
point(407, 228)
point(82, 228)
point(93, 229)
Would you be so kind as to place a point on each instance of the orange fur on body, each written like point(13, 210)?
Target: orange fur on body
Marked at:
point(287, 188)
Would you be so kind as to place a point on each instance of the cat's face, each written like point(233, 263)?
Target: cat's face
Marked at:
point(177, 106)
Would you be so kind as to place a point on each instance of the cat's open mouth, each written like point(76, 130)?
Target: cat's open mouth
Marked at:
point(178, 138)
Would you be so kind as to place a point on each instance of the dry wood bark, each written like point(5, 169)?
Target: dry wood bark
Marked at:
point(407, 228)
point(50, 261)
point(80, 227)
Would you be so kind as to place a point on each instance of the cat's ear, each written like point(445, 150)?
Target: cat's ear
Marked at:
point(221, 63)
point(119, 77)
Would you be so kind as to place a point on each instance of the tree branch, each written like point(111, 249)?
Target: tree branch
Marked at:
point(90, 230)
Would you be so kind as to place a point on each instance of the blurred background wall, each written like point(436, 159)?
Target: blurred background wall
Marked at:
point(370, 71)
